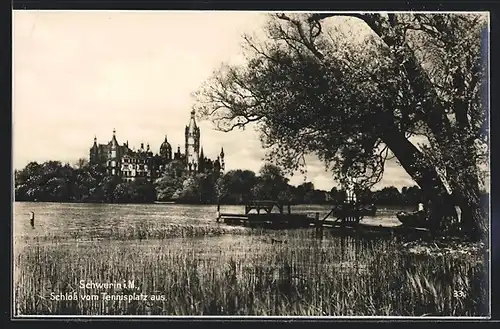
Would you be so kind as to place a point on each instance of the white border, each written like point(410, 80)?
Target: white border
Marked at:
point(252, 317)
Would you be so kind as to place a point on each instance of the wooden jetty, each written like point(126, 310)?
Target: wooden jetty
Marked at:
point(260, 213)
point(343, 220)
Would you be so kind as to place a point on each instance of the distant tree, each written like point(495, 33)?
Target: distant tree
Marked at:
point(207, 187)
point(81, 163)
point(365, 196)
point(123, 192)
point(412, 195)
point(388, 196)
point(221, 189)
point(108, 185)
point(190, 191)
point(271, 183)
point(170, 184)
point(143, 191)
point(238, 185)
point(309, 192)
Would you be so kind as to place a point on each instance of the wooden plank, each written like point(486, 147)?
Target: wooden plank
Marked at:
point(233, 215)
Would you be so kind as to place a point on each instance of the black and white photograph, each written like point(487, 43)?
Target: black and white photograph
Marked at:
point(250, 164)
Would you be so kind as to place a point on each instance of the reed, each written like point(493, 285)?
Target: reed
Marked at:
point(137, 231)
point(261, 273)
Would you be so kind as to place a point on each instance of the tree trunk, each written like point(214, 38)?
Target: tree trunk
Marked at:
point(440, 203)
point(467, 197)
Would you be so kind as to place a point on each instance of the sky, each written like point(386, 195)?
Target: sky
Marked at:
point(79, 74)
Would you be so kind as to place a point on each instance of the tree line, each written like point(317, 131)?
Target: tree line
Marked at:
point(53, 181)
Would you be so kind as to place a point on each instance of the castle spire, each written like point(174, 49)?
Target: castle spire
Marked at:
point(113, 140)
point(94, 146)
point(192, 122)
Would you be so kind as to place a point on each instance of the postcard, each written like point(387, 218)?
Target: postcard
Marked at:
point(239, 164)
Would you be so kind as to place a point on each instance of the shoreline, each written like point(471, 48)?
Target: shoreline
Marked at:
point(200, 204)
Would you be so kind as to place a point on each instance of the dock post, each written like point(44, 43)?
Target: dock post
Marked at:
point(218, 212)
point(289, 209)
point(316, 220)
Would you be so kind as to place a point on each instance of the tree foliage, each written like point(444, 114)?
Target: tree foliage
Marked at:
point(54, 182)
point(312, 89)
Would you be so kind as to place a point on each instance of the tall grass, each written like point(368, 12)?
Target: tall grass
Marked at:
point(261, 273)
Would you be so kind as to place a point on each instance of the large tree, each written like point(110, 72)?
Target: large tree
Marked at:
point(271, 184)
point(311, 88)
point(169, 185)
point(237, 185)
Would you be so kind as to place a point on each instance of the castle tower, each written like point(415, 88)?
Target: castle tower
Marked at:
point(192, 135)
point(114, 156)
point(201, 166)
point(114, 146)
point(94, 152)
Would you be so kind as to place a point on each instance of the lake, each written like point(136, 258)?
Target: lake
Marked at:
point(199, 267)
point(98, 219)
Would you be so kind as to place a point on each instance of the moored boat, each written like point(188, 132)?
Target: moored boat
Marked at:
point(415, 219)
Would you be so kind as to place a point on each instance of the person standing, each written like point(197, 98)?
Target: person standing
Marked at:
point(32, 219)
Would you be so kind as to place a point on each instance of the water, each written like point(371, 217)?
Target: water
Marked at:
point(346, 263)
point(67, 218)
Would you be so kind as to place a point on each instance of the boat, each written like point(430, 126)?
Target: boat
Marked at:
point(413, 219)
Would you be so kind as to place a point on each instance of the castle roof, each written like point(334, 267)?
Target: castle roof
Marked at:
point(165, 145)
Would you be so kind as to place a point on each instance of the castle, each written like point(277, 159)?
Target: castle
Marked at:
point(129, 164)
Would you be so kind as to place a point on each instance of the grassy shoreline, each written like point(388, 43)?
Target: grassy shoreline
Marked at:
point(251, 272)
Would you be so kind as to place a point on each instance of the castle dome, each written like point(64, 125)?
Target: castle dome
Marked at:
point(165, 147)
